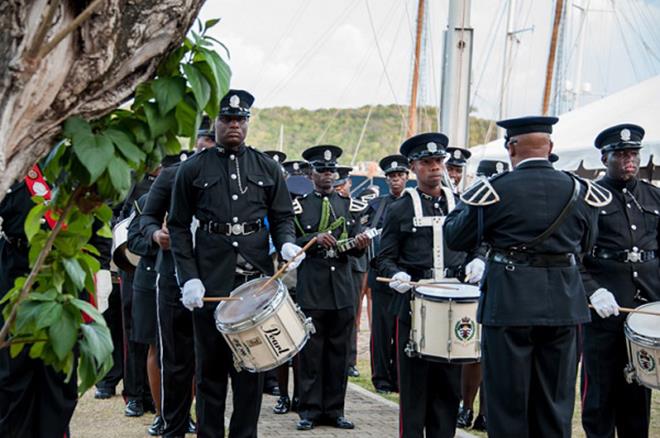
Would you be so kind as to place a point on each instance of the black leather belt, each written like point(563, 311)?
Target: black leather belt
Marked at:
point(228, 229)
point(624, 256)
point(540, 260)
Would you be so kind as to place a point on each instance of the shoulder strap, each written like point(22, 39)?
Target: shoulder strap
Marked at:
point(451, 202)
point(560, 219)
point(416, 200)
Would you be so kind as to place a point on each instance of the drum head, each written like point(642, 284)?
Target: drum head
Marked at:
point(453, 291)
point(645, 325)
point(253, 303)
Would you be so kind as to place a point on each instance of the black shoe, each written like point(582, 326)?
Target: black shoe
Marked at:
point(272, 390)
point(192, 426)
point(480, 423)
point(134, 408)
point(283, 405)
point(464, 419)
point(305, 424)
point(385, 389)
point(157, 427)
point(353, 371)
point(295, 403)
point(104, 393)
point(342, 423)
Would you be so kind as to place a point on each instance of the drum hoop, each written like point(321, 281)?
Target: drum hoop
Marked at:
point(639, 339)
point(438, 299)
point(271, 308)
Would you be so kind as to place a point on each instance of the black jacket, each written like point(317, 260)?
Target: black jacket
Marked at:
point(142, 245)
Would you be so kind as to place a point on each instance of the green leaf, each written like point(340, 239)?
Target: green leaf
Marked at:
point(170, 66)
point(95, 354)
point(125, 145)
point(37, 349)
point(210, 23)
point(172, 145)
point(27, 315)
point(103, 213)
point(168, 92)
point(120, 174)
point(75, 272)
point(50, 312)
point(220, 69)
point(77, 127)
point(94, 155)
point(63, 334)
point(89, 309)
point(200, 86)
point(15, 349)
point(91, 248)
point(105, 231)
point(158, 125)
point(32, 223)
point(186, 114)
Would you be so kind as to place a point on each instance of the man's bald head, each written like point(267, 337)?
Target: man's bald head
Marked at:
point(531, 145)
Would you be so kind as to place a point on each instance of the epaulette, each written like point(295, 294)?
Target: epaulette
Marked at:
point(297, 207)
point(481, 193)
point(357, 206)
point(597, 195)
point(137, 208)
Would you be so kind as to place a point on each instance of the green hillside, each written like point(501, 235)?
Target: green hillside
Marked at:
point(304, 128)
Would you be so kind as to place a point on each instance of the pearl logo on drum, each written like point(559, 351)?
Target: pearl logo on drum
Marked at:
point(271, 337)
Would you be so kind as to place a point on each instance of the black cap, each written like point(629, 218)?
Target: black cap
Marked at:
point(553, 158)
point(322, 156)
point(430, 144)
point(489, 168)
point(458, 156)
point(297, 167)
point(299, 185)
point(278, 156)
point(394, 163)
point(526, 125)
point(236, 103)
point(625, 136)
point(343, 172)
point(170, 160)
point(206, 128)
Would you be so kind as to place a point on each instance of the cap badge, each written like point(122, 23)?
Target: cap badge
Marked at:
point(183, 157)
point(499, 167)
point(457, 155)
point(32, 174)
point(432, 147)
point(625, 134)
point(296, 166)
point(234, 101)
point(394, 164)
point(276, 158)
point(39, 189)
point(327, 155)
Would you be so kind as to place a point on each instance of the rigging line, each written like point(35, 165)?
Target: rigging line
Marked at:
point(290, 26)
point(625, 42)
point(636, 31)
point(311, 51)
point(364, 129)
point(496, 24)
point(648, 16)
point(382, 61)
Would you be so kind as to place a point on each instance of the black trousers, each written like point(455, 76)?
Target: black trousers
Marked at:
point(383, 340)
point(352, 353)
point(136, 382)
point(323, 363)
point(112, 316)
point(609, 402)
point(429, 393)
point(177, 356)
point(35, 401)
point(213, 365)
point(529, 374)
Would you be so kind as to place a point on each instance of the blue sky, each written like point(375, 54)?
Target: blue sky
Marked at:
point(319, 54)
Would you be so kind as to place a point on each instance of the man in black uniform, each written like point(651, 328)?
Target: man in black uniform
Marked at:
point(456, 165)
point(621, 270)
point(230, 189)
point(383, 323)
point(537, 222)
point(325, 291)
point(429, 390)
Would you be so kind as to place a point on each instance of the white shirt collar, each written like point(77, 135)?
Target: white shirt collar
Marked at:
point(527, 160)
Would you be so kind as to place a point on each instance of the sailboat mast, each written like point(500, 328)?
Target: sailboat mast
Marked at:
point(412, 112)
point(559, 6)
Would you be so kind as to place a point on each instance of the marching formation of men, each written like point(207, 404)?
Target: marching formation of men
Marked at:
point(534, 246)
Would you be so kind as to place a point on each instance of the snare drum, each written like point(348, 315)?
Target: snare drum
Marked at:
point(643, 340)
point(265, 329)
point(444, 323)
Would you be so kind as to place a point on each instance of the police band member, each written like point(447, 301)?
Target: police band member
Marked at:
point(325, 291)
point(456, 163)
point(230, 189)
point(537, 222)
point(621, 270)
point(429, 391)
point(383, 323)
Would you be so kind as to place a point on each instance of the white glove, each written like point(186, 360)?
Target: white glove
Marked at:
point(400, 282)
point(289, 251)
point(192, 294)
point(604, 303)
point(103, 285)
point(474, 271)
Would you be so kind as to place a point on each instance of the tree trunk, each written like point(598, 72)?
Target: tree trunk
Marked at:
point(90, 72)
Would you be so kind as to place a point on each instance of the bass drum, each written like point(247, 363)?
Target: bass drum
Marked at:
point(121, 256)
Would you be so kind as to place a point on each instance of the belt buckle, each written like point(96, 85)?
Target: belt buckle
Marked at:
point(633, 256)
point(236, 229)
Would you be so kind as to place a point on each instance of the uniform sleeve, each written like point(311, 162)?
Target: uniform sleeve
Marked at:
point(390, 244)
point(179, 220)
point(461, 229)
point(280, 213)
point(588, 242)
point(138, 243)
point(158, 201)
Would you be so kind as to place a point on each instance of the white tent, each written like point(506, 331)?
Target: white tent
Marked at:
point(574, 134)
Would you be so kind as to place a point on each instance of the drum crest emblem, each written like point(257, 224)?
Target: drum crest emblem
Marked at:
point(646, 361)
point(465, 329)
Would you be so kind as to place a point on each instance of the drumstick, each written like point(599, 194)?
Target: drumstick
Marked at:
point(286, 265)
point(631, 310)
point(220, 299)
point(415, 283)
